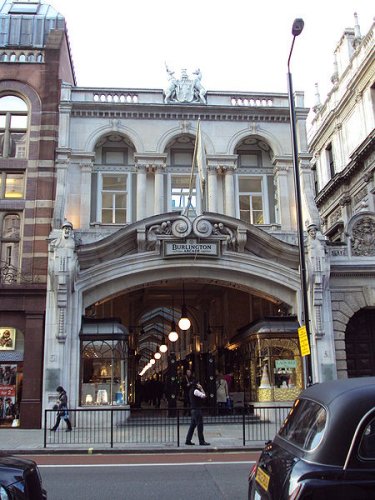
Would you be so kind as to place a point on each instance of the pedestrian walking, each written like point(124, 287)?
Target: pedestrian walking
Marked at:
point(62, 410)
point(222, 393)
point(197, 398)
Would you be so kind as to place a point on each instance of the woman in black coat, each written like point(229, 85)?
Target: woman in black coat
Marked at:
point(62, 410)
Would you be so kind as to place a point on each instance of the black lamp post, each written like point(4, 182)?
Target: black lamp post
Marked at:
point(297, 28)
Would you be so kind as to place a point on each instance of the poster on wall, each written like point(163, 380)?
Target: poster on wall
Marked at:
point(8, 376)
point(8, 379)
point(7, 339)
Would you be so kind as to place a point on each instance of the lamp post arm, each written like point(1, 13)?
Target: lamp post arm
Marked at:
point(290, 53)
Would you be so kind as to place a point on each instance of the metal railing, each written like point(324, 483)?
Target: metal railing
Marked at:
point(119, 427)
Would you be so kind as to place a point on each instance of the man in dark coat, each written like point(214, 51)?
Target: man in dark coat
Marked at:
point(197, 398)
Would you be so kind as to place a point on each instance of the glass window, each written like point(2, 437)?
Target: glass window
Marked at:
point(13, 127)
point(24, 8)
point(305, 424)
point(11, 185)
point(367, 446)
point(103, 372)
point(180, 192)
point(114, 198)
point(251, 200)
point(10, 237)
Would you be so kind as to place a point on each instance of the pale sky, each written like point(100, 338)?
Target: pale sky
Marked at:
point(238, 45)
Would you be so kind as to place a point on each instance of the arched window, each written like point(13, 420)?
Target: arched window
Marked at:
point(103, 369)
point(255, 182)
point(113, 154)
point(13, 127)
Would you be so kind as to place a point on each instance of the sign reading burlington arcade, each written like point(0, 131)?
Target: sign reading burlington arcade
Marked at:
point(190, 248)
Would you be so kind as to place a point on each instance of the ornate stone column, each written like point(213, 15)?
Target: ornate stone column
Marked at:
point(284, 194)
point(62, 165)
point(141, 191)
point(152, 164)
point(159, 206)
point(85, 201)
point(229, 205)
point(212, 205)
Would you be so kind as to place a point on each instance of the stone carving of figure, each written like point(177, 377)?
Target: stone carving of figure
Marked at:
point(66, 239)
point(363, 239)
point(170, 91)
point(62, 268)
point(199, 90)
point(165, 228)
point(220, 229)
point(312, 231)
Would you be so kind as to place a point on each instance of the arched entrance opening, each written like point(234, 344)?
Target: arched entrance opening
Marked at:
point(218, 310)
point(360, 344)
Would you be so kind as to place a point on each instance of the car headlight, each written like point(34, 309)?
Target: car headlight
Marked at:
point(3, 494)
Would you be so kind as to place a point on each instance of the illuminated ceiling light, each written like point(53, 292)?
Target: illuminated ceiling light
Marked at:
point(163, 348)
point(157, 355)
point(152, 361)
point(173, 335)
point(184, 322)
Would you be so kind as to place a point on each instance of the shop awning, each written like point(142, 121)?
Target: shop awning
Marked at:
point(103, 329)
point(274, 325)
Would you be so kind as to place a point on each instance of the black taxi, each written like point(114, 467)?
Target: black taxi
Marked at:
point(20, 479)
point(325, 448)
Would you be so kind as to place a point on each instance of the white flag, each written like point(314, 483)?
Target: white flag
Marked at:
point(200, 159)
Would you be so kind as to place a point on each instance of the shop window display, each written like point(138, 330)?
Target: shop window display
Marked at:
point(103, 369)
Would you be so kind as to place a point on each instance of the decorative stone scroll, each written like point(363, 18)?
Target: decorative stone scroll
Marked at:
point(200, 228)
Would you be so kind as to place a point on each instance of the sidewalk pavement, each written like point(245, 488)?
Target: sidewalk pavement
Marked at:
point(26, 441)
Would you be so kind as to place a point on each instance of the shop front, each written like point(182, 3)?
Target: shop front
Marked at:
point(11, 375)
point(270, 354)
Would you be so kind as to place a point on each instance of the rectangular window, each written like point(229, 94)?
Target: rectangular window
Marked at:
point(315, 179)
point(180, 192)
point(114, 198)
point(14, 186)
point(11, 185)
point(330, 160)
point(251, 200)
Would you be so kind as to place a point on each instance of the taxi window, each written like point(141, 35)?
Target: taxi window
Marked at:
point(305, 424)
point(367, 446)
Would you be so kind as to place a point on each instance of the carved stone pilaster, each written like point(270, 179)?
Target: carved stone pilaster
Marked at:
point(62, 268)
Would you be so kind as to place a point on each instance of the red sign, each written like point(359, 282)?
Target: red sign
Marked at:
point(7, 391)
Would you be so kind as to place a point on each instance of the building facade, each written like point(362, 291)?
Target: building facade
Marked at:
point(162, 203)
point(34, 59)
point(341, 141)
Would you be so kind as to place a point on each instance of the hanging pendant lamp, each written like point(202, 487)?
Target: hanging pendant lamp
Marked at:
point(184, 322)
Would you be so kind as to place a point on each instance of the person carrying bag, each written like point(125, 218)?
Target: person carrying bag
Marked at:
point(62, 410)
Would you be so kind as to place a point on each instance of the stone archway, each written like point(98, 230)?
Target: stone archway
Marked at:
point(360, 344)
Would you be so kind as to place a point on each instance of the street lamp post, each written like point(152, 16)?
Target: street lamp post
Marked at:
point(297, 28)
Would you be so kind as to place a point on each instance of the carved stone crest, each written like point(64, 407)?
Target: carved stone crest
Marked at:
point(363, 237)
point(186, 89)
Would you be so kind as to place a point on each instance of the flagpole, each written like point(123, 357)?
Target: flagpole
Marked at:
point(186, 210)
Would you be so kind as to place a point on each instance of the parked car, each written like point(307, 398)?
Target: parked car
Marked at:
point(20, 479)
point(325, 449)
